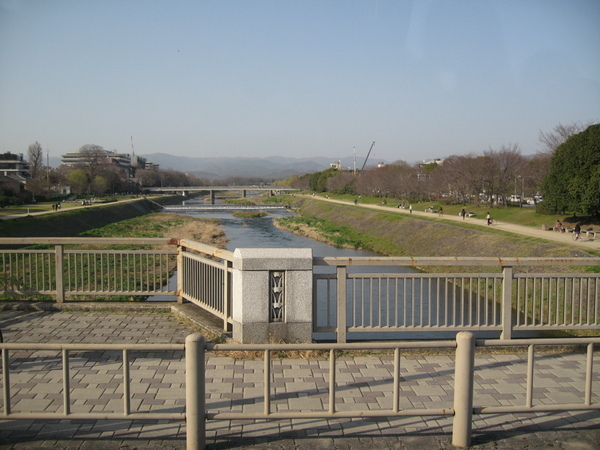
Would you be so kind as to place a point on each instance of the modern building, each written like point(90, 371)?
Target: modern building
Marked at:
point(13, 165)
point(124, 161)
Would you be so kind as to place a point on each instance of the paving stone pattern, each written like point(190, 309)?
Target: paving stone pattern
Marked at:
point(363, 383)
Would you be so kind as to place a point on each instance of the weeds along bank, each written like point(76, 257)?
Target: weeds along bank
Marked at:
point(70, 223)
point(394, 234)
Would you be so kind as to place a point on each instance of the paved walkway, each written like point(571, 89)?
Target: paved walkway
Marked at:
point(592, 243)
point(363, 382)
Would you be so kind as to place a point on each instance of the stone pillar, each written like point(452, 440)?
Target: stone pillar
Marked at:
point(212, 197)
point(272, 295)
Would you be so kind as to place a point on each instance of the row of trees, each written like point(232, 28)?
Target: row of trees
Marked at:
point(566, 173)
point(95, 174)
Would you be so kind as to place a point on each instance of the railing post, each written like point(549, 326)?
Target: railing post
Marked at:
point(258, 293)
point(226, 294)
point(463, 389)
point(507, 288)
point(342, 326)
point(59, 260)
point(180, 274)
point(195, 413)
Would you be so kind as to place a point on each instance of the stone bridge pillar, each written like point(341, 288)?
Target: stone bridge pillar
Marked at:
point(212, 197)
point(272, 295)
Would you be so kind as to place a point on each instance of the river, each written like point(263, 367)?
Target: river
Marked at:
point(261, 233)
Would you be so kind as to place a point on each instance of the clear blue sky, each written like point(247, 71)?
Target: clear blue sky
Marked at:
point(423, 79)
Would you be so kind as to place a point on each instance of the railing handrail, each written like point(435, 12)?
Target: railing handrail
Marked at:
point(206, 249)
point(414, 261)
point(87, 241)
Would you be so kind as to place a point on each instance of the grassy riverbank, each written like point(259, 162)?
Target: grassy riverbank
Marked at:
point(71, 222)
point(207, 231)
point(392, 234)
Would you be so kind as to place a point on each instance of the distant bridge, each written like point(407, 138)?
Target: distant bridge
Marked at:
point(212, 189)
point(222, 208)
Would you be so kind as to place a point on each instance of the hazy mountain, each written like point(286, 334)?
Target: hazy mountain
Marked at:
point(274, 167)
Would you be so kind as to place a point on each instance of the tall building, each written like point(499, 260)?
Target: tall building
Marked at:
point(11, 164)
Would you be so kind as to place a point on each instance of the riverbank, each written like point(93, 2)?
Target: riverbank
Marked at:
point(72, 222)
point(392, 234)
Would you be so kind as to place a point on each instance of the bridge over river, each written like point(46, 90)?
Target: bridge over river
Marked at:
point(222, 208)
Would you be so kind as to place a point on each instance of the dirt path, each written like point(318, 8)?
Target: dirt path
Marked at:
point(589, 243)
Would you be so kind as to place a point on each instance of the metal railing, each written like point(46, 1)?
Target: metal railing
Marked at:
point(196, 414)
point(364, 295)
point(206, 280)
point(62, 270)
point(345, 302)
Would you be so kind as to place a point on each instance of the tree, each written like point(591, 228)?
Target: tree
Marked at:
point(508, 164)
point(560, 133)
point(573, 182)
point(99, 185)
point(92, 156)
point(78, 181)
point(35, 157)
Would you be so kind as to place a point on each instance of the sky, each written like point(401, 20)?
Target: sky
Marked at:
point(260, 78)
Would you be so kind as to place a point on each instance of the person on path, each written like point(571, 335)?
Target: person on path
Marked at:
point(410, 209)
point(441, 211)
point(577, 230)
point(463, 213)
point(558, 227)
point(488, 219)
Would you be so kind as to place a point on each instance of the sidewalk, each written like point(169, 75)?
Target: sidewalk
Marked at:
point(236, 384)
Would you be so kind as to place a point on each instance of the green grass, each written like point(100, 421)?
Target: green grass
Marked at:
point(249, 214)
point(527, 216)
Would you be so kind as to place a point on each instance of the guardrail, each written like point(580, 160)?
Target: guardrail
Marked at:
point(503, 300)
point(204, 281)
point(461, 407)
point(63, 270)
point(489, 294)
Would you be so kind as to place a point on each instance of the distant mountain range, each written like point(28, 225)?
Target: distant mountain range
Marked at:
point(274, 167)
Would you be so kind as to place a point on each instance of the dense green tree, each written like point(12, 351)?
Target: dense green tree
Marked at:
point(318, 180)
point(78, 180)
point(573, 182)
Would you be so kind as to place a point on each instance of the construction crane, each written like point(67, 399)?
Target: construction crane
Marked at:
point(367, 158)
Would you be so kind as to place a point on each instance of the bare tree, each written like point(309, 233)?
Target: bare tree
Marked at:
point(92, 156)
point(35, 157)
point(506, 165)
point(560, 133)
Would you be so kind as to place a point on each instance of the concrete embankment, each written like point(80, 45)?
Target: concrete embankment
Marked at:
point(71, 222)
point(402, 235)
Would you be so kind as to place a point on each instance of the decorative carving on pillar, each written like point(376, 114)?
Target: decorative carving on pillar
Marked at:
point(276, 294)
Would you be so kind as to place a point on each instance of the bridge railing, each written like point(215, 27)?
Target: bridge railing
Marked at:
point(265, 293)
point(501, 294)
point(63, 267)
point(205, 278)
point(461, 402)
